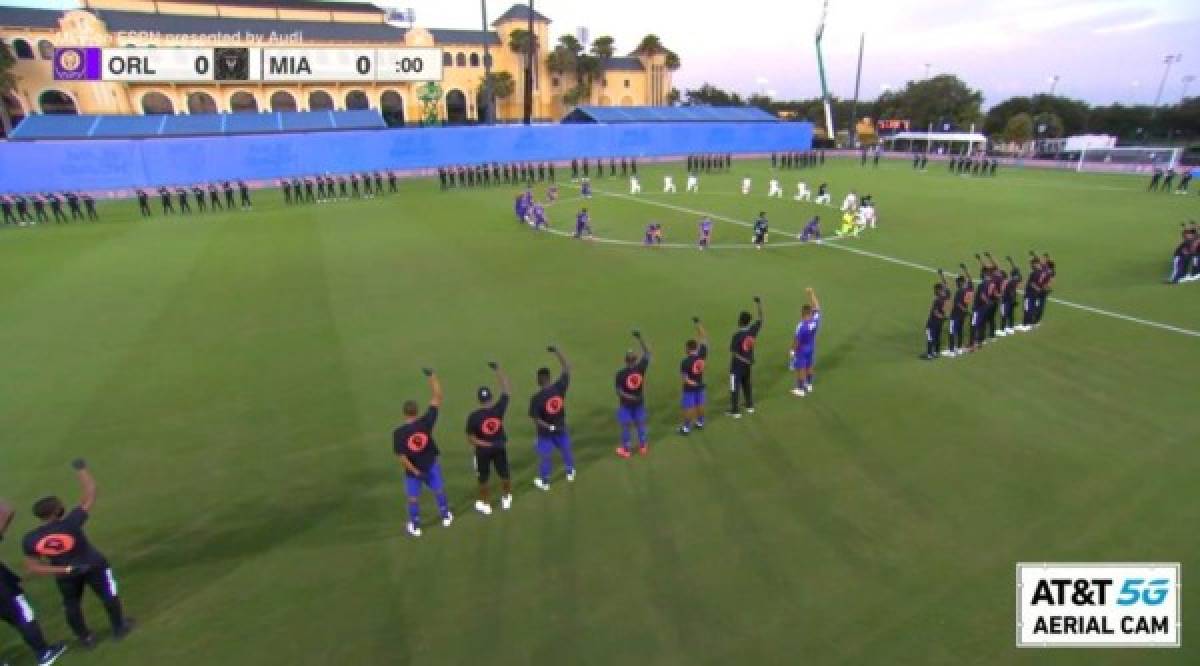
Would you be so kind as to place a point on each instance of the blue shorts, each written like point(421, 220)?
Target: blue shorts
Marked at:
point(803, 359)
point(432, 478)
point(546, 444)
point(692, 399)
point(635, 414)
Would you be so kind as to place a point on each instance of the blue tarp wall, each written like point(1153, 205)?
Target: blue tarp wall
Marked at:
point(110, 164)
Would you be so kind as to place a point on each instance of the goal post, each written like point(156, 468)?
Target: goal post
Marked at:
point(1128, 159)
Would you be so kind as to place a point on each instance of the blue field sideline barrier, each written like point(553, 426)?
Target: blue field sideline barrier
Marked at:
point(111, 164)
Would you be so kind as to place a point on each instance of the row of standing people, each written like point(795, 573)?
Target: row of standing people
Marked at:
point(797, 159)
point(981, 166)
point(583, 168)
point(326, 187)
point(206, 197)
point(1164, 181)
point(483, 175)
point(22, 210)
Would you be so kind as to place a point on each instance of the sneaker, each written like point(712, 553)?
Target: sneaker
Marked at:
point(448, 519)
point(683, 430)
point(734, 415)
point(622, 452)
point(749, 410)
point(643, 450)
point(947, 352)
point(506, 502)
point(699, 425)
point(1010, 331)
point(808, 387)
point(1001, 333)
point(52, 654)
point(483, 507)
point(570, 475)
point(87, 642)
point(542, 485)
point(124, 630)
point(413, 529)
point(798, 392)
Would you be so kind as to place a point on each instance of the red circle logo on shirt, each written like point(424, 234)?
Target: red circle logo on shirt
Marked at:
point(54, 544)
point(748, 343)
point(698, 366)
point(491, 426)
point(554, 405)
point(417, 442)
point(634, 381)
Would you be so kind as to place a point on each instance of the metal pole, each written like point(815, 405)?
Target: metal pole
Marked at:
point(489, 115)
point(1168, 61)
point(831, 135)
point(529, 70)
point(862, 38)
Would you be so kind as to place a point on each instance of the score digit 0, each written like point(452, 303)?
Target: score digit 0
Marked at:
point(202, 65)
point(363, 65)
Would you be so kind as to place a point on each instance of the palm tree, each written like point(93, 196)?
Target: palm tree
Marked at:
point(519, 41)
point(602, 48)
point(8, 83)
point(650, 45)
point(672, 62)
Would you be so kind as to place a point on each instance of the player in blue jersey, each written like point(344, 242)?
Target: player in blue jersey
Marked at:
point(519, 208)
point(583, 224)
point(537, 213)
point(760, 231)
point(547, 408)
point(806, 344)
point(630, 386)
point(691, 370)
point(812, 230)
point(413, 444)
point(586, 188)
point(706, 226)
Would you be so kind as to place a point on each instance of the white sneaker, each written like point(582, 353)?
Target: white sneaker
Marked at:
point(448, 519)
point(947, 352)
point(482, 507)
point(570, 475)
point(1001, 334)
point(506, 502)
point(798, 392)
point(413, 529)
point(808, 387)
point(542, 485)
point(749, 410)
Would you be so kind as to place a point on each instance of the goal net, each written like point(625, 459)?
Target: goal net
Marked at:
point(1128, 159)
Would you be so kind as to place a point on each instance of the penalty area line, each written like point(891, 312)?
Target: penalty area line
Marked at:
point(909, 264)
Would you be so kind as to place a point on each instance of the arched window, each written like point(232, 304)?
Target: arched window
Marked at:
point(319, 100)
point(460, 60)
point(474, 59)
point(56, 102)
point(356, 100)
point(46, 50)
point(456, 107)
point(243, 102)
point(282, 100)
point(200, 102)
point(391, 104)
point(156, 103)
point(22, 50)
point(447, 59)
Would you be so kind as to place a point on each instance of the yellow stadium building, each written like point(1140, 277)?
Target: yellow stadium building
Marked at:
point(32, 34)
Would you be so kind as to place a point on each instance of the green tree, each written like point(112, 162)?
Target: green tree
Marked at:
point(603, 47)
point(1072, 113)
point(761, 101)
point(1047, 126)
point(8, 83)
point(710, 95)
point(942, 99)
point(650, 45)
point(1019, 128)
point(672, 62)
point(673, 97)
point(519, 41)
point(503, 84)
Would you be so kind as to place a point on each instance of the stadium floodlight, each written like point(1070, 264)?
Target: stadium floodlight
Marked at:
point(821, 70)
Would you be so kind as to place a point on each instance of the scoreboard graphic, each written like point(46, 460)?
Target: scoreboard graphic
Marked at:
point(215, 64)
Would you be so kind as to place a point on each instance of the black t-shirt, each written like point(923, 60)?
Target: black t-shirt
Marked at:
point(742, 345)
point(62, 542)
point(692, 367)
point(549, 405)
point(415, 441)
point(962, 298)
point(1032, 285)
point(632, 381)
point(937, 310)
point(487, 423)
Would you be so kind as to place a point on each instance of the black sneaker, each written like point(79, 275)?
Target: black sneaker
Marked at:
point(683, 431)
point(123, 630)
point(87, 642)
point(52, 654)
point(699, 425)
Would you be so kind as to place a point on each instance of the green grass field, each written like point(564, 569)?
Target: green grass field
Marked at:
point(234, 379)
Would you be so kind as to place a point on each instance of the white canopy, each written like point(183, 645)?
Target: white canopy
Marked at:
point(969, 138)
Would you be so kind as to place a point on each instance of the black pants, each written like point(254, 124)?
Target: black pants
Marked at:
point(145, 208)
point(1030, 311)
point(991, 320)
point(8, 217)
point(200, 204)
point(214, 201)
point(1040, 308)
point(1006, 314)
point(17, 612)
point(978, 326)
point(246, 198)
point(933, 336)
point(103, 585)
point(487, 458)
point(229, 199)
point(92, 214)
point(740, 383)
point(957, 322)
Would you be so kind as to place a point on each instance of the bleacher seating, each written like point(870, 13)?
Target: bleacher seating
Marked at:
point(126, 127)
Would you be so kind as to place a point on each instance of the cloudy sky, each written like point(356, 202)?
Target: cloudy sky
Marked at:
point(1102, 50)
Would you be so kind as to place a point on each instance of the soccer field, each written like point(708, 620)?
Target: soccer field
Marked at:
point(233, 380)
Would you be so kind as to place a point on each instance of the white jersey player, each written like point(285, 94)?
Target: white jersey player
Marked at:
point(668, 184)
point(774, 190)
point(635, 185)
point(745, 186)
point(850, 203)
point(693, 183)
point(802, 193)
point(823, 194)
